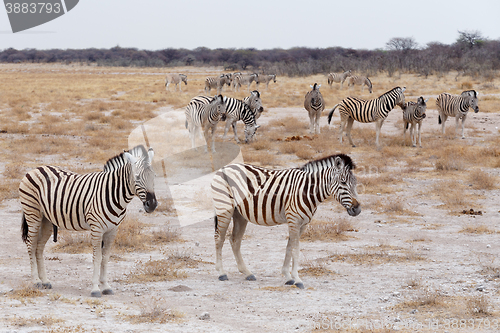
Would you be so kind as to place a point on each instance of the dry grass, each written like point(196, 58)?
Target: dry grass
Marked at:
point(316, 268)
point(43, 321)
point(320, 230)
point(155, 311)
point(479, 306)
point(482, 180)
point(454, 195)
point(155, 271)
point(477, 229)
point(378, 255)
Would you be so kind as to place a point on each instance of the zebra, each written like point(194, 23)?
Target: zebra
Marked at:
point(206, 116)
point(414, 113)
point(270, 197)
point(241, 79)
point(265, 79)
point(374, 110)
point(456, 106)
point(54, 198)
point(236, 110)
point(314, 104)
point(255, 103)
point(338, 77)
point(360, 81)
point(217, 82)
point(176, 79)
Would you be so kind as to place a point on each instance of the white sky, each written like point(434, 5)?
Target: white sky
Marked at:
point(261, 24)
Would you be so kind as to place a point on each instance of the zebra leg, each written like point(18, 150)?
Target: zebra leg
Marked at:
point(107, 242)
point(32, 224)
point(294, 236)
point(235, 132)
point(378, 125)
point(405, 127)
point(221, 224)
point(413, 135)
point(311, 122)
point(341, 128)
point(97, 258)
point(318, 115)
point(419, 134)
point(43, 237)
point(463, 124)
point(350, 121)
point(443, 120)
point(239, 227)
point(285, 270)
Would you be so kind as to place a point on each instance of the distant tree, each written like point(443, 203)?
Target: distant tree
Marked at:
point(470, 39)
point(401, 44)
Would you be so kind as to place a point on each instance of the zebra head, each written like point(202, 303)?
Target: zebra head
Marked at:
point(343, 184)
point(471, 95)
point(421, 107)
point(184, 79)
point(255, 103)
point(400, 97)
point(218, 102)
point(144, 175)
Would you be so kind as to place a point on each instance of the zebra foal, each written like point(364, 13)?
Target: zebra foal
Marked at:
point(176, 79)
point(54, 198)
point(205, 115)
point(338, 77)
point(413, 114)
point(244, 193)
point(374, 110)
point(456, 106)
point(314, 104)
point(359, 81)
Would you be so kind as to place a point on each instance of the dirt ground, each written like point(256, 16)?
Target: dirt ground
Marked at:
point(403, 273)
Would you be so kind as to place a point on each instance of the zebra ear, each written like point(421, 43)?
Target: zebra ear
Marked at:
point(257, 126)
point(426, 100)
point(151, 154)
point(339, 163)
point(310, 86)
point(403, 89)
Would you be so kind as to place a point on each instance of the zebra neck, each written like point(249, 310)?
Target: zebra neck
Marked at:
point(124, 190)
point(319, 189)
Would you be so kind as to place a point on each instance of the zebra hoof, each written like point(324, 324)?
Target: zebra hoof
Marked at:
point(108, 292)
point(299, 285)
point(38, 285)
point(95, 294)
point(223, 277)
point(47, 285)
point(290, 282)
point(251, 277)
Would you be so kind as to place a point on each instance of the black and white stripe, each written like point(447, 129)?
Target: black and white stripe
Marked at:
point(206, 115)
point(360, 81)
point(314, 104)
point(255, 103)
point(338, 77)
point(241, 79)
point(413, 114)
point(176, 79)
point(217, 82)
point(265, 78)
point(374, 110)
point(456, 106)
point(243, 193)
point(54, 198)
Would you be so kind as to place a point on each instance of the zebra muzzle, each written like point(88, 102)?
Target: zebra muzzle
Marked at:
point(355, 209)
point(150, 203)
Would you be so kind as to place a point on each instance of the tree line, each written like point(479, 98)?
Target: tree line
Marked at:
point(471, 54)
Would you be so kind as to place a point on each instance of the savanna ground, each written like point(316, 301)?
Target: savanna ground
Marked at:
point(421, 256)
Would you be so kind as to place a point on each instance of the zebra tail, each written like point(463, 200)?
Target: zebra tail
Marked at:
point(216, 222)
point(407, 125)
point(54, 227)
point(439, 119)
point(24, 229)
point(331, 114)
point(186, 124)
point(223, 117)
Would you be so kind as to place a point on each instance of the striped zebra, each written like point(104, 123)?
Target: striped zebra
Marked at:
point(314, 104)
point(206, 116)
point(236, 110)
point(255, 103)
point(360, 81)
point(176, 79)
point(338, 77)
point(241, 79)
point(374, 110)
point(217, 82)
point(413, 114)
point(456, 106)
point(265, 78)
point(54, 198)
point(271, 197)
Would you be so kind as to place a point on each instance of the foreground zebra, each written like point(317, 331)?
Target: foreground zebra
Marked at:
point(206, 116)
point(176, 79)
point(235, 110)
point(456, 106)
point(338, 77)
point(265, 79)
point(271, 197)
point(217, 82)
point(413, 114)
point(374, 110)
point(360, 81)
point(314, 104)
point(95, 201)
point(241, 79)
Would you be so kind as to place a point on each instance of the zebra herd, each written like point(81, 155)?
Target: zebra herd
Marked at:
point(53, 198)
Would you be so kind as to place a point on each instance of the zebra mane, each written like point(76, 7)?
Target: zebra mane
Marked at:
point(328, 162)
point(468, 92)
point(120, 160)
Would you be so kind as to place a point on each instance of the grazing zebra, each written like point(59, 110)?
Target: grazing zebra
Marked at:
point(271, 197)
point(52, 197)
point(235, 110)
point(242, 79)
point(414, 113)
point(338, 77)
point(176, 79)
point(314, 104)
point(265, 79)
point(456, 106)
point(255, 103)
point(206, 116)
point(360, 81)
point(374, 110)
point(217, 82)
